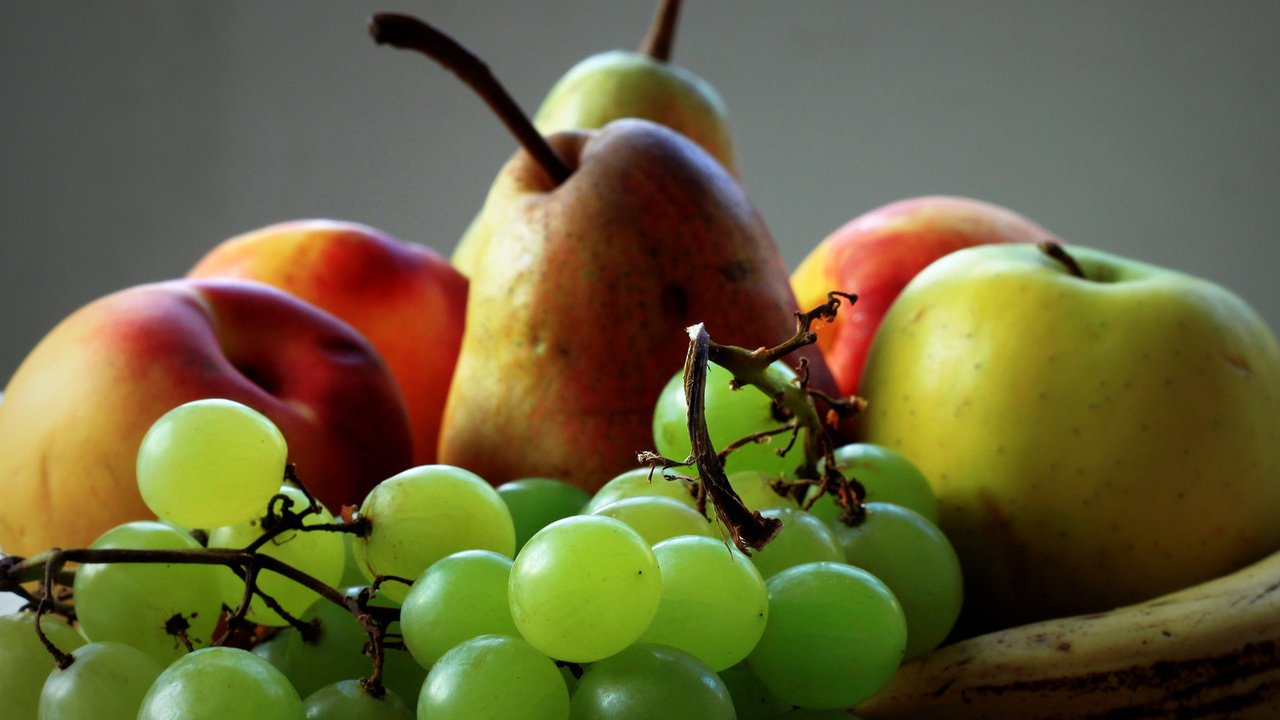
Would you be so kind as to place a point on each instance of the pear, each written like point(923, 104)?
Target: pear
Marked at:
point(606, 244)
point(575, 320)
point(618, 84)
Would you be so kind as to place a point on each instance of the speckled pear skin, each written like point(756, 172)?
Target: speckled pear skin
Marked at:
point(578, 310)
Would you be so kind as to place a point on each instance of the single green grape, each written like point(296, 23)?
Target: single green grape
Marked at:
point(336, 653)
point(803, 538)
point(318, 553)
point(584, 588)
point(658, 518)
point(133, 603)
point(426, 513)
point(651, 682)
point(915, 559)
point(887, 476)
point(346, 700)
point(714, 602)
point(644, 482)
point(494, 677)
point(221, 683)
point(752, 699)
point(835, 636)
point(107, 681)
point(535, 503)
point(731, 415)
point(459, 597)
point(25, 663)
point(209, 463)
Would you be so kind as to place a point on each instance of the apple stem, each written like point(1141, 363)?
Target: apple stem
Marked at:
point(1056, 251)
point(409, 33)
point(662, 32)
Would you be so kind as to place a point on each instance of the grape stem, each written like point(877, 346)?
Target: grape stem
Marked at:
point(48, 569)
point(796, 401)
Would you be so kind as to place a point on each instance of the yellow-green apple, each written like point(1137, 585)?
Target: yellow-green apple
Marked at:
point(77, 407)
point(876, 253)
point(1094, 438)
point(404, 297)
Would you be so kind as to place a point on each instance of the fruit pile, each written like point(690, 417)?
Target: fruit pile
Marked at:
point(951, 467)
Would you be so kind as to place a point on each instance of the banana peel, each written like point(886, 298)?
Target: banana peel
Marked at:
point(1208, 651)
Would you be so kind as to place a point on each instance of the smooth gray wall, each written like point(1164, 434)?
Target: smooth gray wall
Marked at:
point(136, 134)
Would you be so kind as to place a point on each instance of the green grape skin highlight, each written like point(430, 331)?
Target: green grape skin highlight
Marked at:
point(651, 682)
point(915, 559)
point(209, 463)
point(731, 415)
point(346, 700)
point(424, 514)
point(643, 482)
point(886, 475)
point(658, 518)
point(132, 602)
point(535, 503)
point(221, 683)
point(714, 602)
point(319, 554)
point(106, 681)
point(494, 677)
point(25, 663)
point(835, 636)
point(802, 539)
point(584, 588)
point(459, 597)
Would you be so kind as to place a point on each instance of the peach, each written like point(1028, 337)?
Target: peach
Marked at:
point(76, 409)
point(404, 297)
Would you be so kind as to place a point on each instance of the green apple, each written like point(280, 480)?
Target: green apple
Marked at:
point(1093, 439)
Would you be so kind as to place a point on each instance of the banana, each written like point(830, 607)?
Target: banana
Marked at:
point(1208, 651)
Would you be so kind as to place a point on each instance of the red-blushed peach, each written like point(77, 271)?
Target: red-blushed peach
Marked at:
point(877, 253)
point(404, 297)
point(77, 407)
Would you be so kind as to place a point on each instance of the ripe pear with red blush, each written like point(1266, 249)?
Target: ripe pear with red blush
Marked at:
point(607, 244)
point(574, 322)
point(405, 298)
point(874, 255)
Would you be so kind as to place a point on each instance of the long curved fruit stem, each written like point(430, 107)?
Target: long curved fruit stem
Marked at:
point(662, 33)
point(409, 33)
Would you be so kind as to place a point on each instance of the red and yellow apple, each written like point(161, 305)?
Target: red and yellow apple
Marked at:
point(76, 409)
point(877, 253)
point(404, 297)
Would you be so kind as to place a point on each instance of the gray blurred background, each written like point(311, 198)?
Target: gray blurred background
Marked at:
point(138, 134)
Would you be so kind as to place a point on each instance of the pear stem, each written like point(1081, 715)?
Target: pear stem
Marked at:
point(662, 33)
point(409, 33)
point(1056, 251)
